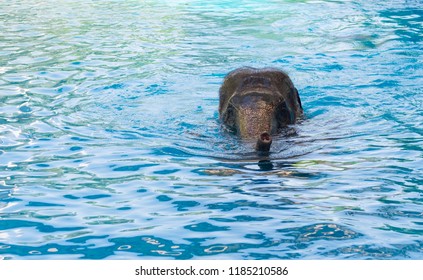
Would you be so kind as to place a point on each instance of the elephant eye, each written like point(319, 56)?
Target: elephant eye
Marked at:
point(229, 118)
point(283, 115)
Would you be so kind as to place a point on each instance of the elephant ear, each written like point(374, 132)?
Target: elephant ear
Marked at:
point(298, 98)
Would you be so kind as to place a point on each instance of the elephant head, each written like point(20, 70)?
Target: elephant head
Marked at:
point(258, 103)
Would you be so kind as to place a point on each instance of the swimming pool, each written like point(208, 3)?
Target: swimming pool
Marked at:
point(111, 148)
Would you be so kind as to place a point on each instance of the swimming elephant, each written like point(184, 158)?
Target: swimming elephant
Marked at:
point(258, 103)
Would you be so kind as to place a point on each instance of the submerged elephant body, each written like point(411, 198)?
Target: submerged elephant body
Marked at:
point(258, 103)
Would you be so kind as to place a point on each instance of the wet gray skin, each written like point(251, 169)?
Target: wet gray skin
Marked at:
point(258, 103)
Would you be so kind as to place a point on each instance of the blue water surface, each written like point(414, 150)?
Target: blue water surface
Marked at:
point(111, 148)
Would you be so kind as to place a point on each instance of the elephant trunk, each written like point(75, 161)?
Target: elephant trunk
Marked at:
point(263, 143)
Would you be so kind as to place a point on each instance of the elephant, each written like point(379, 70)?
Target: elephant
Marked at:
point(258, 103)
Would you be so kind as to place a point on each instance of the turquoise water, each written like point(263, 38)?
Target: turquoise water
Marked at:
point(111, 148)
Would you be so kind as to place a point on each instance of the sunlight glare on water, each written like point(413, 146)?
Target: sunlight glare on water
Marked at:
point(111, 148)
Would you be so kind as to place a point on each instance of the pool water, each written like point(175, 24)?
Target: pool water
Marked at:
point(111, 147)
